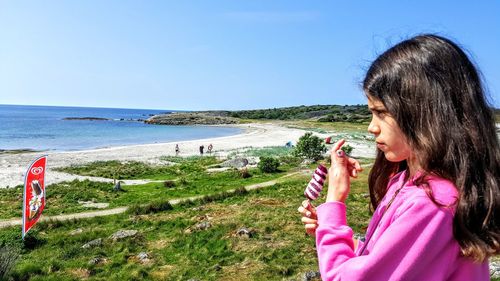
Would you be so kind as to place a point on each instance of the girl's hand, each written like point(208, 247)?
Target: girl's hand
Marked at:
point(309, 217)
point(342, 168)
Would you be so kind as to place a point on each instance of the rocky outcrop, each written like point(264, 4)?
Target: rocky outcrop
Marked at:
point(87, 118)
point(191, 118)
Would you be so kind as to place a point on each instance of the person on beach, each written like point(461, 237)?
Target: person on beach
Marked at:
point(177, 150)
point(202, 147)
point(435, 183)
point(209, 148)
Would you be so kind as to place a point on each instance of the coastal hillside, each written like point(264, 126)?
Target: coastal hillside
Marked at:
point(320, 113)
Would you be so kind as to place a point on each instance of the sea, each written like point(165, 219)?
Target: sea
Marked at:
point(44, 128)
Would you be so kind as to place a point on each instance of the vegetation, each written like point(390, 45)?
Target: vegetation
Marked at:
point(268, 164)
point(347, 149)
point(176, 247)
point(139, 170)
point(8, 258)
point(310, 146)
point(187, 177)
point(330, 113)
point(276, 151)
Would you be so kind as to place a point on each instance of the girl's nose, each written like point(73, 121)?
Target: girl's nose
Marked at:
point(373, 128)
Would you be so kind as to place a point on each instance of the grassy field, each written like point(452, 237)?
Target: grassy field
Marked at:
point(189, 177)
point(198, 240)
point(277, 248)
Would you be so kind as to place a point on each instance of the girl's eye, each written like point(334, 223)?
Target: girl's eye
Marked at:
point(379, 113)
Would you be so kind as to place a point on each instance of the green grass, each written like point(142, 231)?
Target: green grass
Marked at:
point(278, 251)
point(275, 151)
point(140, 170)
point(187, 178)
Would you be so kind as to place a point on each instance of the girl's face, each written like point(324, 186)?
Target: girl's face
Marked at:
point(388, 135)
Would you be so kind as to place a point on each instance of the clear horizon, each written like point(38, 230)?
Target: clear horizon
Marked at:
point(222, 55)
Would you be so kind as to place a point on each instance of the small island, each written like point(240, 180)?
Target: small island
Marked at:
point(87, 118)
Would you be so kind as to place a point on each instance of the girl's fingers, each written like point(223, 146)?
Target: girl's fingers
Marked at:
point(307, 213)
point(355, 164)
point(307, 221)
point(336, 146)
point(311, 226)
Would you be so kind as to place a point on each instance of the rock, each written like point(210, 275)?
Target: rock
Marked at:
point(143, 257)
point(76, 231)
point(87, 118)
point(245, 232)
point(203, 225)
point(93, 243)
point(97, 260)
point(199, 226)
point(235, 163)
point(122, 234)
point(311, 275)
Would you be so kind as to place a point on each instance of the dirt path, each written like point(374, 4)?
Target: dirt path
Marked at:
point(119, 210)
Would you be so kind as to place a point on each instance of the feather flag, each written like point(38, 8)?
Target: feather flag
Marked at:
point(34, 193)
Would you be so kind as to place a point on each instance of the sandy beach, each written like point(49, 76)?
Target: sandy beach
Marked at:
point(12, 166)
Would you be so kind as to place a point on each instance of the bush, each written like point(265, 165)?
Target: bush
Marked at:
point(290, 160)
point(244, 173)
point(310, 146)
point(347, 149)
point(169, 184)
point(8, 259)
point(268, 164)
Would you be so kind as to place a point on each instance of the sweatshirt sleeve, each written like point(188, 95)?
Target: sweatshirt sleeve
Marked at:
point(419, 236)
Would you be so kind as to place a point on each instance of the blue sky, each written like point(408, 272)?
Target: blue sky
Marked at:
point(200, 55)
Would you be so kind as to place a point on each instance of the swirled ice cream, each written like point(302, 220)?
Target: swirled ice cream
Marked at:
point(315, 185)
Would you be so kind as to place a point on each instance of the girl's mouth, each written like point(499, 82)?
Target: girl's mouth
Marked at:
point(381, 145)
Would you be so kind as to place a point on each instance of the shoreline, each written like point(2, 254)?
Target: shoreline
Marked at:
point(13, 166)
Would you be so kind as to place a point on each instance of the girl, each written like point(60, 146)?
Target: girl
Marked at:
point(435, 182)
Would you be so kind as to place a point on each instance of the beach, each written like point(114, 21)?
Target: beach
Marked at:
point(13, 166)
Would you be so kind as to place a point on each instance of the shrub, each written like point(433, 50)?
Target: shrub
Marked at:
point(290, 160)
point(169, 184)
point(268, 164)
point(244, 173)
point(347, 149)
point(8, 259)
point(310, 146)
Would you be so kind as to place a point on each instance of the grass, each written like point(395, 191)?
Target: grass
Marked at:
point(323, 127)
point(279, 250)
point(139, 170)
point(275, 151)
point(185, 179)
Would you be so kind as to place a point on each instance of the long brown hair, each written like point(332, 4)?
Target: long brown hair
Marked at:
point(435, 94)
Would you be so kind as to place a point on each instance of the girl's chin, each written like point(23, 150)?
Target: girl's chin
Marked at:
point(391, 157)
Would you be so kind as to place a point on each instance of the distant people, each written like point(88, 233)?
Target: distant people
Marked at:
point(202, 147)
point(177, 150)
point(209, 148)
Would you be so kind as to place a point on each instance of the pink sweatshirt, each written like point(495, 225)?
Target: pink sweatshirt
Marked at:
point(413, 240)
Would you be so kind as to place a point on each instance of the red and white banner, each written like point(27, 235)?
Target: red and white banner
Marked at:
point(34, 193)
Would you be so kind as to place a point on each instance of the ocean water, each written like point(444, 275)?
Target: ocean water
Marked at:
point(43, 128)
